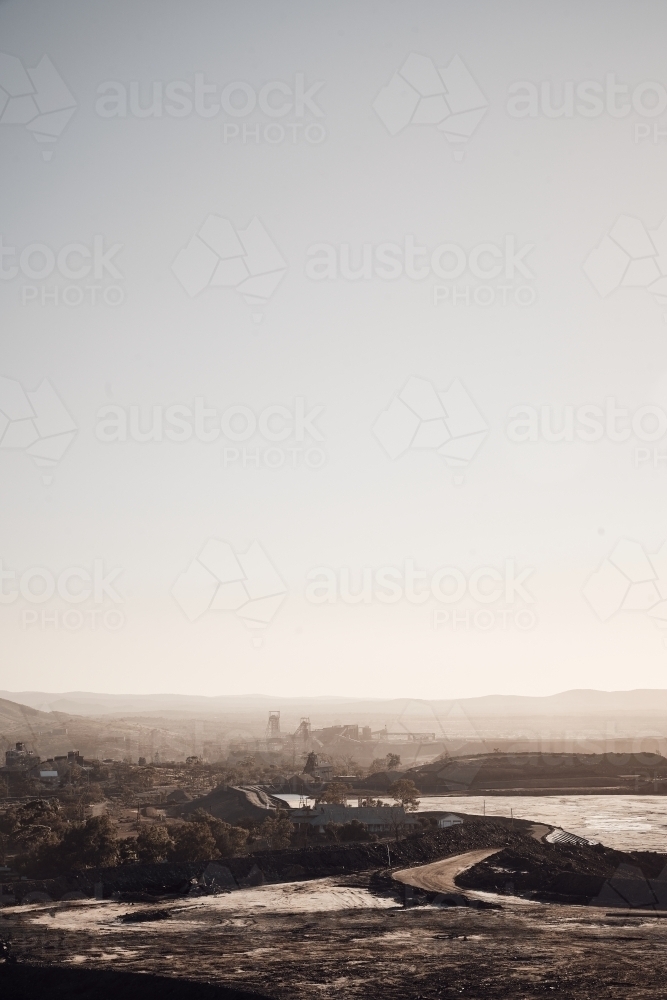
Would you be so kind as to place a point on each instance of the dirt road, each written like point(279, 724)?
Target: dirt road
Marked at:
point(440, 875)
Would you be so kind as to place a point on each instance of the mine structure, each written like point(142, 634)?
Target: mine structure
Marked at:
point(345, 738)
point(20, 757)
point(273, 726)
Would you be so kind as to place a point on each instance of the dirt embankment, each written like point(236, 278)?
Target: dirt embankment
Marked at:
point(536, 773)
point(565, 873)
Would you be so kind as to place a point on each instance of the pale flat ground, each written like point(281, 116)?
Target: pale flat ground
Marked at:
point(316, 896)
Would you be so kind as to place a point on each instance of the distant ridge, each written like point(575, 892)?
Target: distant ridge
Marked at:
point(588, 702)
point(13, 714)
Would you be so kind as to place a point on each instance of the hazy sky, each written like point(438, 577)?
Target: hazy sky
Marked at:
point(392, 250)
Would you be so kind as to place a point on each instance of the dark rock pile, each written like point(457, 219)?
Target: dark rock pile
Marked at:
point(565, 873)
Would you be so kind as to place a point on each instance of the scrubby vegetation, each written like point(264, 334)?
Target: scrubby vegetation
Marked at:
point(45, 842)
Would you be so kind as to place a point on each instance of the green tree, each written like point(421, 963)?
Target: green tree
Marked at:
point(33, 823)
point(335, 793)
point(278, 831)
point(229, 840)
point(393, 761)
point(193, 842)
point(405, 791)
point(92, 844)
point(153, 844)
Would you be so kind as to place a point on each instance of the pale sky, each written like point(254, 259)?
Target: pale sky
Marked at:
point(379, 408)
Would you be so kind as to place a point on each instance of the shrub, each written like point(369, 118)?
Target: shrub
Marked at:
point(354, 830)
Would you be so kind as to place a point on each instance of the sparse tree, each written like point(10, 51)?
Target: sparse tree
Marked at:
point(405, 791)
point(352, 766)
point(335, 793)
point(393, 761)
point(331, 831)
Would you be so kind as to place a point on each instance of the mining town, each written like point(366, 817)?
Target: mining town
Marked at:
point(302, 858)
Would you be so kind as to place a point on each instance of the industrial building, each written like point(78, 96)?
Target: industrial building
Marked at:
point(381, 820)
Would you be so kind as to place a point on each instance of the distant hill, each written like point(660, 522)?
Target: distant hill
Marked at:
point(578, 702)
point(14, 716)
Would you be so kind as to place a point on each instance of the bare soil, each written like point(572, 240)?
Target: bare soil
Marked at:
point(360, 952)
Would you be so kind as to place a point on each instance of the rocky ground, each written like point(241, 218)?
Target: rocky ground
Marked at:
point(352, 936)
point(332, 938)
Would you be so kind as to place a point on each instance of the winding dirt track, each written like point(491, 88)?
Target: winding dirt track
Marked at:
point(440, 875)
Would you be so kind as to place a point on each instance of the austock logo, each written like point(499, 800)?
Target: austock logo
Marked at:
point(37, 98)
point(630, 257)
point(89, 590)
point(491, 273)
point(422, 94)
point(448, 585)
point(289, 431)
point(221, 580)
point(91, 263)
point(35, 422)
point(218, 256)
point(422, 418)
point(630, 580)
point(275, 113)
